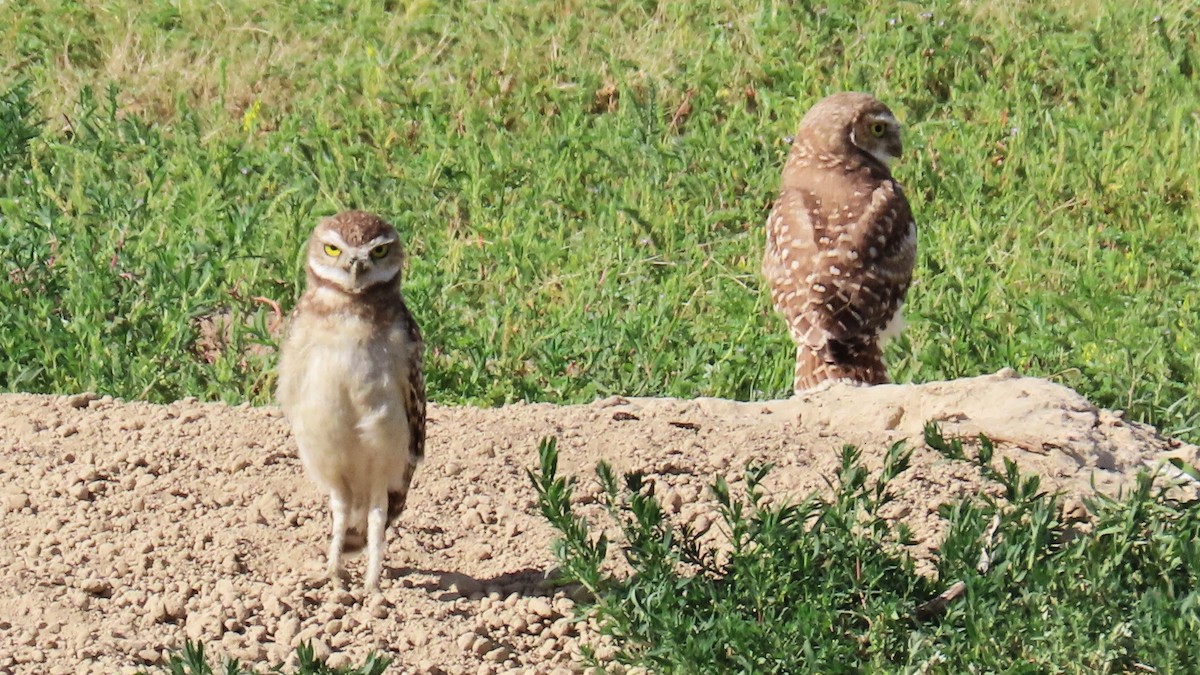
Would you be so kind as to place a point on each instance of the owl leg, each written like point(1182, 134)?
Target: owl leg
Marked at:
point(376, 531)
point(341, 512)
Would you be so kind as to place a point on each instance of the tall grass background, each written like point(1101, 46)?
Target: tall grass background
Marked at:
point(582, 186)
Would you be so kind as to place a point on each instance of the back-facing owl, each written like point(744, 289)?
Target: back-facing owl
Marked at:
point(841, 241)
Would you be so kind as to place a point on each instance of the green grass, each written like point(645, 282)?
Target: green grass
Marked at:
point(824, 586)
point(571, 235)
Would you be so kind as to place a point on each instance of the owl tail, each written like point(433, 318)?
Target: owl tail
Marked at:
point(858, 362)
point(356, 535)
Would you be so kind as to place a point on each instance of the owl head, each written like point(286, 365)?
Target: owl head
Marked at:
point(860, 120)
point(355, 251)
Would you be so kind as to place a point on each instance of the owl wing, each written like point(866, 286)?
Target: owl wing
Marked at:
point(833, 276)
point(790, 259)
point(410, 375)
point(287, 383)
point(884, 238)
point(412, 385)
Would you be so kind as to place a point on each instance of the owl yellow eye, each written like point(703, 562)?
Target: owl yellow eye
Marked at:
point(380, 251)
point(878, 128)
point(332, 251)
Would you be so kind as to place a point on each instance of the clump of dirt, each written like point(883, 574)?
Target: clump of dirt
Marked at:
point(130, 527)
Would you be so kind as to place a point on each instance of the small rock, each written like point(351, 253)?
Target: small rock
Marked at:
point(498, 654)
point(465, 641)
point(156, 611)
point(562, 628)
point(493, 619)
point(471, 518)
point(251, 652)
point(133, 598)
point(79, 599)
point(417, 636)
point(340, 641)
point(97, 587)
point(278, 652)
point(320, 649)
point(16, 502)
point(270, 508)
point(338, 660)
point(175, 606)
point(541, 608)
point(605, 652)
point(202, 626)
point(286, 630)
point(79, 401)
point(272, 606)
point(481, 645)
point(308, 633)
point(673, 501)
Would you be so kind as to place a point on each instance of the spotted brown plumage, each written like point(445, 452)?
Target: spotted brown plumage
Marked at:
point(841, 241)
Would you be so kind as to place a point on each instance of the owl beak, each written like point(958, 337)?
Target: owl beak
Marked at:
point(357, 267)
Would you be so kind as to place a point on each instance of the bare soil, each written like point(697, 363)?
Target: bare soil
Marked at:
point(129, 527)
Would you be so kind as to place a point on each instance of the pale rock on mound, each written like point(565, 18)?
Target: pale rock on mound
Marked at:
point(129, 527)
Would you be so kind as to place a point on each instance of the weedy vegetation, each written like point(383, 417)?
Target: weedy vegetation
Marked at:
point(192, 660)
point(825, 585)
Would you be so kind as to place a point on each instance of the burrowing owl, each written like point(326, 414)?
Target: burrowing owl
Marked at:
point(841, 241)
point(351, 382)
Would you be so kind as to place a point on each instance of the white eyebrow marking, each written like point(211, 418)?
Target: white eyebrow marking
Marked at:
point(381, 240)
point(332, 237)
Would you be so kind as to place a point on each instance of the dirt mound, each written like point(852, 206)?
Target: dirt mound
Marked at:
point(130, 526)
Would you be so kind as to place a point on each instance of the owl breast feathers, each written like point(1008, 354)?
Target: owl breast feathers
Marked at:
point(841, 241)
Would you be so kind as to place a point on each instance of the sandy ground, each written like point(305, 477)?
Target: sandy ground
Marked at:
point(129, 527)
